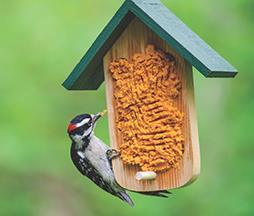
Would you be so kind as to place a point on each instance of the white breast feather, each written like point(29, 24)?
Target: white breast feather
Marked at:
point(96, 154)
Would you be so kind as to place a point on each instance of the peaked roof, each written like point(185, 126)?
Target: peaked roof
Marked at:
point(88, 74)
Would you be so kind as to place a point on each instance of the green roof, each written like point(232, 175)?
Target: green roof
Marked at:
point(88, 74)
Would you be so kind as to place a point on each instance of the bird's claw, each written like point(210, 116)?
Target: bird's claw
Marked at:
point(112, 153)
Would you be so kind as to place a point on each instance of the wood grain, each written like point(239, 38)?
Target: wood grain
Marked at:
point(134, 40)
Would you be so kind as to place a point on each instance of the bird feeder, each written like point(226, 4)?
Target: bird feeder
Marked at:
point(136, 25)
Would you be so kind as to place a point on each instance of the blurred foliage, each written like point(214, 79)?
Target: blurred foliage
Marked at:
point(40, 43)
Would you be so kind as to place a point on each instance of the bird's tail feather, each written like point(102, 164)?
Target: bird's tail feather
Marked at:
point(157, 193)
point(125, 197)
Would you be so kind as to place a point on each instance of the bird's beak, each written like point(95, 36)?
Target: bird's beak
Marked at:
point(99, 115)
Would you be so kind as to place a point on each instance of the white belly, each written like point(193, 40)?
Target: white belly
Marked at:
point(96, 154)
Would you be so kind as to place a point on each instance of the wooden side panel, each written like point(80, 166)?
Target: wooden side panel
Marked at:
point(134, 39)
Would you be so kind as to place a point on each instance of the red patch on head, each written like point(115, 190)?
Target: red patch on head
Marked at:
point(71, 128)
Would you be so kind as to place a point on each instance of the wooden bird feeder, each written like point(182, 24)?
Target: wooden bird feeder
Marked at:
point(136, 24)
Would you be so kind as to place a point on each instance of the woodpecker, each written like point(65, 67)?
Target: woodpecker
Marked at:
point(93, 158)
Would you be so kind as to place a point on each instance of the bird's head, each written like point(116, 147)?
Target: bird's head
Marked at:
point(82, 126)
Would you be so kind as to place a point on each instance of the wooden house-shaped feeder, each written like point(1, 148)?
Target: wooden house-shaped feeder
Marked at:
point(136, 24)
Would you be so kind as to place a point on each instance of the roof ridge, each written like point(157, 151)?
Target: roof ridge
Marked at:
point(88, 74)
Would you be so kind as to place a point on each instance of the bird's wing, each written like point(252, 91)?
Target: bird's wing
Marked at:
point(94, 175)
point(88, 170)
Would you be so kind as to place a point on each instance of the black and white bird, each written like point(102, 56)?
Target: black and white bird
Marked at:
point(93, 158)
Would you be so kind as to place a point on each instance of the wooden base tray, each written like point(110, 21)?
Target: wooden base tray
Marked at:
point(134, 40)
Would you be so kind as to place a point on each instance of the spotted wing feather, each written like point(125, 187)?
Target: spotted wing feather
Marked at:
point(87, 169)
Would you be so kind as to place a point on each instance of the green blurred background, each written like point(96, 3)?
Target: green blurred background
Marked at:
point(40, 43)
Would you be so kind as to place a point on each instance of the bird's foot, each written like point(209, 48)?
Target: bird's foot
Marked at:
point(112, 153)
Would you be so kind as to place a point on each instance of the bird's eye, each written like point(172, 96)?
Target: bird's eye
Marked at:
point(87, 125)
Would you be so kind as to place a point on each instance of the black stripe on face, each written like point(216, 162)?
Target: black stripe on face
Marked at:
point(82, 129)
point(82, 123)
